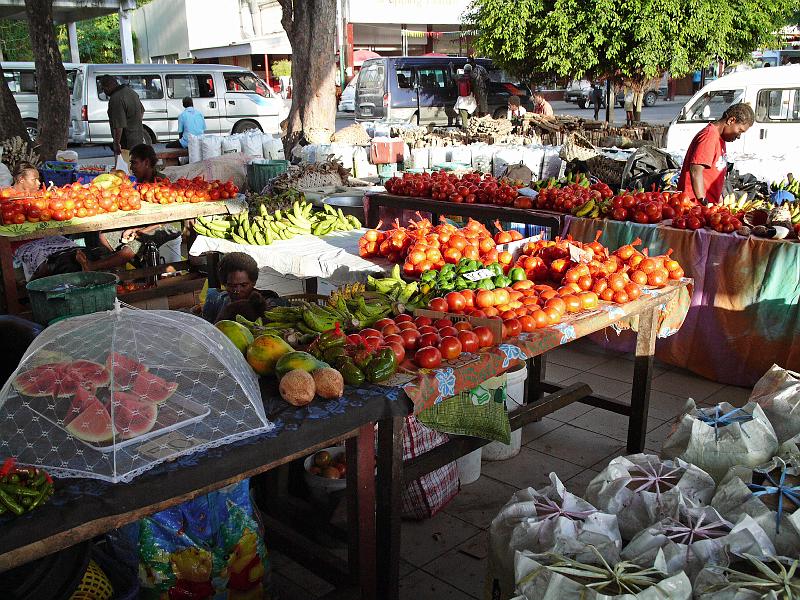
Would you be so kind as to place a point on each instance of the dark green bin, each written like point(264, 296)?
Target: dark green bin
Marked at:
point(259, 174)
point(71, 294)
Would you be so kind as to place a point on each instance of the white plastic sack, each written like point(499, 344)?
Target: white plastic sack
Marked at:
point(342, 153)
point(67, 156)
point(461, 155)
point(437, 156)
point(195, 148)
point(361, 166)
point(532, 157)
point(323, 151)
point(482, 157)
point(510, 155)
point(536, 582)
point(546, 520)
point(418, 159)
point(210, 146)
point(757, 493)
point(699, 536)
point(252, 145)
point(231, 144)
point(273, 148)
point(381, 130)
point(715, 582)
point(717, 438)
point(778, 395)
point(551, 162)
point(308, 154)
point(641, 490)
point(6, 179)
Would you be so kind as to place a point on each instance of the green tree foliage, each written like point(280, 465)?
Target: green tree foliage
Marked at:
point(631, 40)
point(15, 41)
point(281, 68)
point(98, 40)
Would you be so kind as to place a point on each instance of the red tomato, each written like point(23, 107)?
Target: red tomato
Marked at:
point(485, 336)
point(390, 329)
point(410, 338)
point(407, 325)
point(456, 302)
point(372, 343)
point(469, 341)
point(422, 321)
point(398, 349)
point(439, 323)
point(428, 357)
point(428, 339)
point(439, 305)
point(369, 331)
point(354, 339)
point(513, 327)
point(469, 298)
point(463, 326)
point(403, 319)
point(448, 331)
point(383, 323)
point(393, 338)
point(450, 347)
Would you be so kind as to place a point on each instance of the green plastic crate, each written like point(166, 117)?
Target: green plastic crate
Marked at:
point(71, 294)
point(259, 174)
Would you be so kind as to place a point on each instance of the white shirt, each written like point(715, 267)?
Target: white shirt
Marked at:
point(518, 113)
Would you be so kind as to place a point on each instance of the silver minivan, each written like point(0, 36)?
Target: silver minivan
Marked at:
point(232, 100)
point(21, 80)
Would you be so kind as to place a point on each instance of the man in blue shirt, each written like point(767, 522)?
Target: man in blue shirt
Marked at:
point(190, 121)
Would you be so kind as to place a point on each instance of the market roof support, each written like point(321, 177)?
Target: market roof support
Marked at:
point(74, 51)
point(125, 32)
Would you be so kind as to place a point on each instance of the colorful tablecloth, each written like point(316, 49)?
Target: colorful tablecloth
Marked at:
point(744, 314)
point(427, 387)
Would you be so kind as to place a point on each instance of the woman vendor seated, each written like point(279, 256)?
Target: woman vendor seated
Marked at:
point(26, 178)
point(238, 272)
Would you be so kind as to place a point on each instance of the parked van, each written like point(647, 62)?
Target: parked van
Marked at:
point(422, 89)
point(232, 100)
point(774, 95)
point(21, 80)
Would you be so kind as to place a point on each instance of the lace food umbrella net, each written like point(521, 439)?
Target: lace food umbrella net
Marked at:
point(112, 394)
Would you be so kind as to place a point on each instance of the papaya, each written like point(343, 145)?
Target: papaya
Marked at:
point(236, 333)
point(297, 360)
point(265, 351)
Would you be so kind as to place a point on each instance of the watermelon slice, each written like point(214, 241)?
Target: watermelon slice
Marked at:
point(91, 372)
point(123, 369)
point(151, 387)
point(133, 416)
point(83, 399)
point(93, 424)
point(40, 381)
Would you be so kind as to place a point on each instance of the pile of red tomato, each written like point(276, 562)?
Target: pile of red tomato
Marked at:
point(718, 218)
point(471, 188)
point(427, 342)
point(421, 247)
point(64, 203)
point(650, 207)
point(187, 190)
point(567, 198)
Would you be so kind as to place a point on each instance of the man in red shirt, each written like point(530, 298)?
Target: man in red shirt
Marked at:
point(705, 165)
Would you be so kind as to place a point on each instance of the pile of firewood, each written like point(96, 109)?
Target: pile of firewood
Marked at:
point(15, 150)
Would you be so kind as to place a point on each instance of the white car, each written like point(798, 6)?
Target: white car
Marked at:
point(347, 103)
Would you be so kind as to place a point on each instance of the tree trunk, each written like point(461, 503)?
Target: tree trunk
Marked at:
point(311, 28)
point(51, 78)
point(11, 124)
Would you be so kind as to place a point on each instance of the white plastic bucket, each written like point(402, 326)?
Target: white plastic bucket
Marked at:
point(515, 391)
point(469, 467)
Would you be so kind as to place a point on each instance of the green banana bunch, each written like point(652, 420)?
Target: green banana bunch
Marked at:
point(586, 209)
point(401, 293)
point(332, 219)
point(794, 211)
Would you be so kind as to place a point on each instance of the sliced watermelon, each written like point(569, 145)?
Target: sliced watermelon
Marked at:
point(153, 388)
point(91, 372)
point(93, 424)
point(83, 399)
point(132, 416)
point(123, 369)
point(40, 381)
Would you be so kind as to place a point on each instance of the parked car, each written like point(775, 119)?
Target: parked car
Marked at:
point(775, 96)
point(21, 80)
point(422, 89)
point(232, 99)
point(579, 92)
point(347, 102)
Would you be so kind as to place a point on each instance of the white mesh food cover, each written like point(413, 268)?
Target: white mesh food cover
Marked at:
point(112, 394)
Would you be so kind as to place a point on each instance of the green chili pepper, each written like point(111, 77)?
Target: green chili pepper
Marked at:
point(18, 490)
point(351, 374)
point(11, 504)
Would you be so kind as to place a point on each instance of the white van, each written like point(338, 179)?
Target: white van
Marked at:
point(769, 148)
point(21, 80)
point(232, 100)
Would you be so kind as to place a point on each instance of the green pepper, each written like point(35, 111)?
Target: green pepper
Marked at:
point(485, 284)
point(448, 268)
point(330, 354)
point(382, 367)
point(428, 276)
point(18, 490)
point(351, 374)
point(447, 286)
point(502, 281)
point(517, 274)
point(11, 504)
point(461, 283)
point(496, 269)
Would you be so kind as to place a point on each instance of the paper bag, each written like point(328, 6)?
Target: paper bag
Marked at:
point(778, 394)
point(727, 582)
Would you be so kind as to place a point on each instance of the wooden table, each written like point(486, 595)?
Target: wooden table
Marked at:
point(394, 474)
point(149, 214)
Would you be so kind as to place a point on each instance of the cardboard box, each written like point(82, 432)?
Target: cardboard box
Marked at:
point(386, 151)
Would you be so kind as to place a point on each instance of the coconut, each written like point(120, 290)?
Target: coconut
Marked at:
point(297, 387)
point(329, 382)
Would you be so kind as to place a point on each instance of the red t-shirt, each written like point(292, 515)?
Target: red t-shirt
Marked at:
point(707, 149)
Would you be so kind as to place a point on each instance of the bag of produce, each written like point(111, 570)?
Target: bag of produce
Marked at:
point(195, 148)
point(546, 520)
point(770, 494)
point(509, 155)
point(557, 577)
point(641, 490)
point(719, 437)
point(437, 156)
point(461, 155)
point(273, 148)
point(252, 145)
point(210, 146)
point(231, 144)
point(308, 154)
point(551, 162)
point(111, 394)
point(778, 394)
point(695, 538)
point(747, 577)
point(343, 153)
point(418, 159)
point(482, 157)
point(322, 153)
point(209, 547)
point(532, 157)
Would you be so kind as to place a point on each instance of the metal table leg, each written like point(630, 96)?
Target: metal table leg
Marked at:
point(642, 375)
point(390, 482)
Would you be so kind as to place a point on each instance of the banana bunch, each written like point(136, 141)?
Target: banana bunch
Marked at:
point(740, 203)
point(794, 210)
point(790, 185)
point(398, 290)
point(266, 227)
point(590, 209)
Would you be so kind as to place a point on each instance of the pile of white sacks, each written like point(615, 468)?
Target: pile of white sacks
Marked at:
point(252, 143)
point(715, 517)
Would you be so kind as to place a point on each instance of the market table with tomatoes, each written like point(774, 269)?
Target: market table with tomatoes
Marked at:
point(102, 205)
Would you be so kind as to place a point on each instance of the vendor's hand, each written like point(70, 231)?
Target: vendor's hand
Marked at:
point(116, 148)
point(130, 234)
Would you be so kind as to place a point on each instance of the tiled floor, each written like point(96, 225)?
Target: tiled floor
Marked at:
point(444, 558)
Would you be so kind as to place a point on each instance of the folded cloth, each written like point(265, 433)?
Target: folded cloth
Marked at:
point(31, 255)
